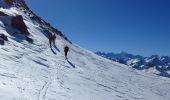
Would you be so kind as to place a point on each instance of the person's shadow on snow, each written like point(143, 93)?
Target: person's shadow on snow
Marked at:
point(53, 51)
point(56, 48)
point(71, 63)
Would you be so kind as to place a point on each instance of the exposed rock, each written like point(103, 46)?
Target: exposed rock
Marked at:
point(2, 41)
point(3, 38)
point(29, 39)
point(3, 14)
point(18, 23)
point(16, 2)
point(37, 19)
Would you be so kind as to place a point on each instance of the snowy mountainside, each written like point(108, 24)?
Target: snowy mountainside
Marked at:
point(34, 71)
point(159, 65)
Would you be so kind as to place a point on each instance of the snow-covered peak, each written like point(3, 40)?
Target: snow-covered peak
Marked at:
point(9, 3)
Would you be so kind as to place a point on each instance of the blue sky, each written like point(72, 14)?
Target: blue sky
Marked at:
point(135, 26)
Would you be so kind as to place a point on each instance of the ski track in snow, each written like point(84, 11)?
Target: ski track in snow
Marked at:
point(43, 92)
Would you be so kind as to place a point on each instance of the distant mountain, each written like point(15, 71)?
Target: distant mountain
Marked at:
point(159, 65)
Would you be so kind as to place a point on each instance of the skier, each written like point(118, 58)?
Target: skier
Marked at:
point(66, 49)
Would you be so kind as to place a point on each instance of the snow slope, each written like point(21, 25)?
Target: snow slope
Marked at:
point(35, 72)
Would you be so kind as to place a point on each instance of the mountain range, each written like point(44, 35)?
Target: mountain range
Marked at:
point(159, 65)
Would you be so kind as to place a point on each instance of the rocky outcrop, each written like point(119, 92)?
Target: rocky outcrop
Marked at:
point(2, 42)
point(3, 38)
point(18, 23)
point(3, 14)
point(16, 2)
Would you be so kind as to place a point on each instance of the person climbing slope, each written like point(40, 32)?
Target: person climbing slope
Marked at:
point(52, 38)
point(66, 49)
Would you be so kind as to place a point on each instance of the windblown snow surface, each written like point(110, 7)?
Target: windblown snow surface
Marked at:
point(35, 72)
